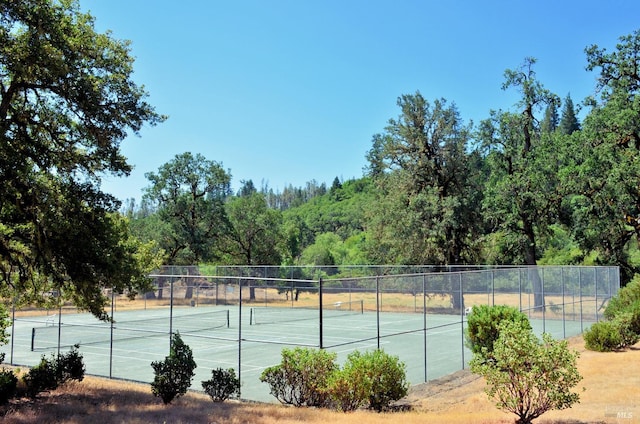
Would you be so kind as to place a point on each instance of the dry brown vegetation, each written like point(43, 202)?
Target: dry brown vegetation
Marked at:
point(611, 386)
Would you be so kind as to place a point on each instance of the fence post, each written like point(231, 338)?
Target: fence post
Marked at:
point(580, 296)
point(544, 303)
point(170, 313)
point(564, 322)
point(378, 310)
point(111, 336)
point(461, 317)
point(240, 336)
point(424, 322)
point(13, 328)
point(320, 307)
point(595, 283)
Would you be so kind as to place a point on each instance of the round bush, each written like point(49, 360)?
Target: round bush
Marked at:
point(624, 300)
point(223, 384)
point(8, 384)
point(603, 336)
point(483, 323)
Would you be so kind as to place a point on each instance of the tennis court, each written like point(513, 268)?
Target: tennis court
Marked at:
point(248, 335)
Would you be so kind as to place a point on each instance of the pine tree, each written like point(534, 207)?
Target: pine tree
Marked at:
point(569, 122)
point(550, 122)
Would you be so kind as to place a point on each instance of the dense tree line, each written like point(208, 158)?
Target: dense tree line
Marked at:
point(527, 185)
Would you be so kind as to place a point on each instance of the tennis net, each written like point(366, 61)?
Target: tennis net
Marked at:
point(273, 315)
point(67, 334)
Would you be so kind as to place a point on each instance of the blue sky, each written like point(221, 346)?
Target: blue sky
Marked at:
point(287, 91)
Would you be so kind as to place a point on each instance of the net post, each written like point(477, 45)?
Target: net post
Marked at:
point(33, 338)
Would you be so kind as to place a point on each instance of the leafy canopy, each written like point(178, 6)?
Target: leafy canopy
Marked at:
point(67, 101)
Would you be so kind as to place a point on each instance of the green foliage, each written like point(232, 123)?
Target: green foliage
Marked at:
point(622, 328)
point(603, 336)
point(628, 324)
point(189, 192)
point(328, 249)
point(70, 366)
point(301, 378)
point(40, 378)
point(569, 122)
point(341, 211)
point(561, 249)
point(173, 375)
point(52, 372)
point(310, 377)
point(5, 322)
point(67, 101)
point(483, 326)
point(348, 388)
point(377, 375)
point(428, 187)
point(528, 377)
point(222, 385)
point(255, 231)
point(626, 297)
point(549, 191)
point(8, 385)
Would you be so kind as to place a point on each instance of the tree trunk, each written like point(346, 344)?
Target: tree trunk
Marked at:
point(190, 282)
point(530, 259)
point(189, 292)
point(160, 287)
point(457, 302)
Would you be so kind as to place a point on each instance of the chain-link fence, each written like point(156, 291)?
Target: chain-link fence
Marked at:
point(241, 317)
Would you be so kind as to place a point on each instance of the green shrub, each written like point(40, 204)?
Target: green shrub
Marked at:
point(381, 376)
point(603, 336)
point(8, 385)
point(223, 384)
point(53, 372)
point(627, 323)
point(623, 301)
point(41, 378)
point(5, 322)
point(527, 376)
point(482, 326)
point(349, 388)
point(70, 366)
point(173, 375)
point(301, 378)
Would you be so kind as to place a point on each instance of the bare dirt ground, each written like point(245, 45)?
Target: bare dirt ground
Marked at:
point(609, 393)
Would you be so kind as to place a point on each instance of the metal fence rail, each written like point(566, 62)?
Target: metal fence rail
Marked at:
point(241, 317)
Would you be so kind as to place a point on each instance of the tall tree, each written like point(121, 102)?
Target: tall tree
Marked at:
point(255, 233)
point(569, 122)
point(608, 218)
point(550, 121)
point(190, 192)
point(247, 189)
point(520, 197)
point(426, 211)
point(67, 102)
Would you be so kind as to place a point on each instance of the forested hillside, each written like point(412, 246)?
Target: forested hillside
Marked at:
point(530, 185)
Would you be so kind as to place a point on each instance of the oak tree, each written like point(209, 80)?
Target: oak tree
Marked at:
point(67, 102)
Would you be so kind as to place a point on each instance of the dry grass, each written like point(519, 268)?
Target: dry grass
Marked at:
point(611, 382)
